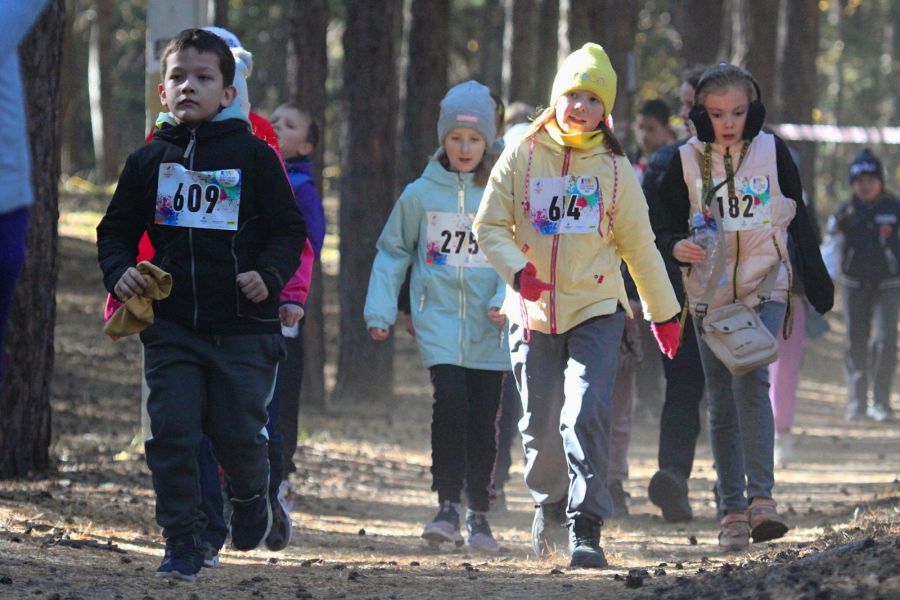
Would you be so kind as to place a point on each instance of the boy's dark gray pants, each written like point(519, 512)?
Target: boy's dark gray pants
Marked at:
point(566, 382)
point(218, 385)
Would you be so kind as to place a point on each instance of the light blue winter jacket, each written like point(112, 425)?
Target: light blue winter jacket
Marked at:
point(15, 157)
point(449, 304)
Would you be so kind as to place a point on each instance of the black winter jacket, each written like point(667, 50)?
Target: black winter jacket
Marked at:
point(871, 248)
point(204, 263)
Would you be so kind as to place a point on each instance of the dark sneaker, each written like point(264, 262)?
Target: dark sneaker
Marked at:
point(183, 558)
point(669, 492)
point(619, 498)
point(548, 530)
point(480, 536)
point(282, 527)
point(444, 527)
point(880, 413)
point(251, 521)
point(584, 542)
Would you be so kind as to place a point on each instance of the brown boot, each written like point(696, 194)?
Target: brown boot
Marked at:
point(765, 522)
point(734, 531)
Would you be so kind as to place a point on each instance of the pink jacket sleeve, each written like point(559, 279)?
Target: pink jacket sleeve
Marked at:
point(297, 288)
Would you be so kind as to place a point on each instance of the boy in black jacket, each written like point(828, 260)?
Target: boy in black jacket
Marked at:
point(870, 287)
point(220, 212)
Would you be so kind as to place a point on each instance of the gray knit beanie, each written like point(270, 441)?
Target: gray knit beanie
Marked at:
point(468, 104)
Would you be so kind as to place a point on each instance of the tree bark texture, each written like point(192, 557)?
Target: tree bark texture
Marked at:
point(619, 46)
point(220, 13)
point(426, 84)
point(100, 75)
point(491, 46)
point(25, 396)
point(587, 20)
point(798, 75)
point(547, 50)
point(310, 26)
point(760, 59)
point(365, 367)
point(523, 52)
point(699, 22)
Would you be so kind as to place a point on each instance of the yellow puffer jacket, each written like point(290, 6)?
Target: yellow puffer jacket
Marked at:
point(584, 269)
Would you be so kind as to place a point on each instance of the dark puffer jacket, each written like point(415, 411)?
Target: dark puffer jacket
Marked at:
point(204, 263)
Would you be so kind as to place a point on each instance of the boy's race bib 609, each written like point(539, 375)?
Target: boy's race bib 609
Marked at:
point(569, 204)
point(202, 199)
point(450, 241)
point(750, 209)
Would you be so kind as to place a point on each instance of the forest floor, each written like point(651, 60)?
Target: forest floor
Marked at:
point(86, 529)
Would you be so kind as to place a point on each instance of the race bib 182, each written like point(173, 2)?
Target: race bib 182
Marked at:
point(201, 199)
point(450, 241)
point(750, 208)
point(569, 204)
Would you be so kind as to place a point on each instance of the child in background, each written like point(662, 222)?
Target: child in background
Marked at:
point(565, 205)
point(212, 352)
point(745, 181)
point(298, 136)
point(455, 310)
point(870, 287)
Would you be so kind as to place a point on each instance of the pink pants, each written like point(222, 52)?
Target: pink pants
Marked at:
point(784, 373)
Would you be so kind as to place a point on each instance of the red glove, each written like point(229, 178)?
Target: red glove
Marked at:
point(530, 287)
point(667, 335)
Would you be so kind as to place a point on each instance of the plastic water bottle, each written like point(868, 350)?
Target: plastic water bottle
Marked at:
point(706, 236)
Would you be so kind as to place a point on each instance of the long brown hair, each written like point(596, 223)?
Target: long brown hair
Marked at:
point(549, 113)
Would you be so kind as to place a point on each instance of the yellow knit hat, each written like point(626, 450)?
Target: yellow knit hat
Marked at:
point(588, 68)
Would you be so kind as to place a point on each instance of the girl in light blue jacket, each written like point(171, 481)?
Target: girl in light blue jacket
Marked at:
point(455, 298)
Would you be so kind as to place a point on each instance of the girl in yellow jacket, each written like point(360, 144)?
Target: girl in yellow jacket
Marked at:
point(561, 210)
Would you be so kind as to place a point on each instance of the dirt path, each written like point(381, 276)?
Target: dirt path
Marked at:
point(87, 530)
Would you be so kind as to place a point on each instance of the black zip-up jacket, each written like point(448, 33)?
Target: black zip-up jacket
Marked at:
point(204, 263)
point(670, 212)
point(871, 242)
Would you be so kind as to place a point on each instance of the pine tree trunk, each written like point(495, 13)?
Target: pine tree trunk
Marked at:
point(310, 25)
point(762, 45)
point(699, 22)
point(619, 45)
point(798, 75)
point(25, 395)
point(587, 19)
point(491, 46)
point(523, 53)
point(365, 367)
point(548, 47)
point(100, 92)
point(220, 16)
point(426, 83)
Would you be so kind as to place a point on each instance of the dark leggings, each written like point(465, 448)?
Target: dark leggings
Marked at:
point(13, 231)
point(464, 433)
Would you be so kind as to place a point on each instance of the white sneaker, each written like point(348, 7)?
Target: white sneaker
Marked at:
point(784, 449)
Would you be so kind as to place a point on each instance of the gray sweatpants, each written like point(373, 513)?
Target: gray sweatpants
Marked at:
point(566, 382)
point(218, 385)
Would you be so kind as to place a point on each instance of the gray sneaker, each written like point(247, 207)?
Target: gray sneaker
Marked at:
point(480, 536)
point(880, 413)
point(444, 527)
point(548, 529)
